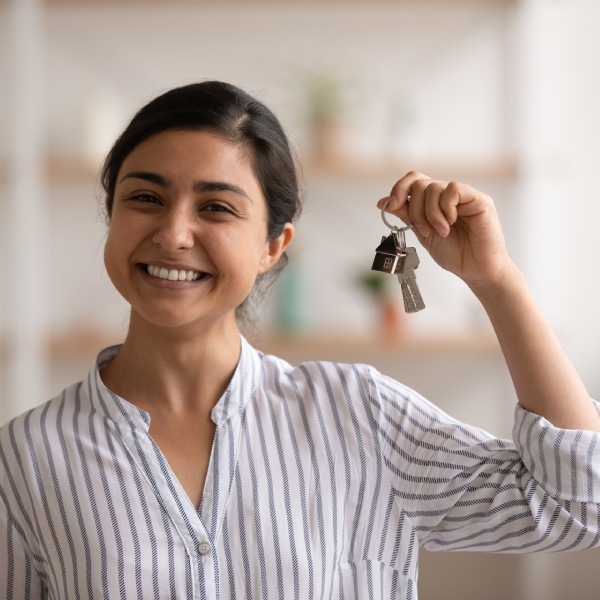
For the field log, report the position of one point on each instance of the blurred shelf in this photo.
(505, 168)
(351, 347)
(65, 172)
(80, 344)
(60, 172)
(120, 3)
(335, 345)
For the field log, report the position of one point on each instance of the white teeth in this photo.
(173, 274)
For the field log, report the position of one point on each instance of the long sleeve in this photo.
(561, 461)
(18, 577)
(464, 489)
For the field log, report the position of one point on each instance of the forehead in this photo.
(180, 153)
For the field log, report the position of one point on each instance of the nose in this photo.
(174, 231)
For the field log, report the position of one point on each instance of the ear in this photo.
(275, 248)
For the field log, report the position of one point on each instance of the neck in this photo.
(167, 371)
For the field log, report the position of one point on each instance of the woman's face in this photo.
(188, 230)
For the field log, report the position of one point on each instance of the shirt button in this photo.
(204, 548)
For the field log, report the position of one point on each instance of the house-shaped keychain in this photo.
(387, 254)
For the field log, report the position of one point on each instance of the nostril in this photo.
(173, 238)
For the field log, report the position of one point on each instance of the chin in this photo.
(174, 322)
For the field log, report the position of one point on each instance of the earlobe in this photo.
(275, 248)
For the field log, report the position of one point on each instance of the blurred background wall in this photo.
(502, 94)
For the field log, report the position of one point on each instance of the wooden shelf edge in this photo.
(502, 168)
(278, 3)
(61, 171)
(364, 347)
(334, 345)
(80, 344)
(65, 171)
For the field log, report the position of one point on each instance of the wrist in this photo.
(507, 285)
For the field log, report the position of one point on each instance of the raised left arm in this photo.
(459, 227)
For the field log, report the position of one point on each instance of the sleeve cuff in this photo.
(565, 462)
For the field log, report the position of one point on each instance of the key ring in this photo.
(395, 230)
(392, 227)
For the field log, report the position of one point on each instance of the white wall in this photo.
(470, 97)
(451, 65)
(580, 210)
(448, 69)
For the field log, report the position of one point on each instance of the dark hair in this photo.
(234, 115)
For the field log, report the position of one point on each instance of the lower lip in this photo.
(167, 284)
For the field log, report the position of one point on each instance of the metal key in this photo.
(408, 261)
(392, 256)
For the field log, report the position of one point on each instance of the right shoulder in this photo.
(24, 433)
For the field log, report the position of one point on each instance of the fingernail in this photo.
(424, 230)
(442, 230)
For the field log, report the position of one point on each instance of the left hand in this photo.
(457, 224)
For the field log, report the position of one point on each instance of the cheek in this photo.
(114, 251)
(109, 256)
(258, 256)
(122, 235)
(248, 245)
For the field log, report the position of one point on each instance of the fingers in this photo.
(428, 204)
(400, 195)
(441, 201)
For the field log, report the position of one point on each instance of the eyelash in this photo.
(147, 198)
(217, 207)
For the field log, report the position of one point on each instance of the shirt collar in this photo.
(242, 384)
(231, 403)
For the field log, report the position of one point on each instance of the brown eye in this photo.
(217, 207)
(145, 198)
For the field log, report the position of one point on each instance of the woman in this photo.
(189, 465)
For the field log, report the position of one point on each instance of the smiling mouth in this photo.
(174, 274)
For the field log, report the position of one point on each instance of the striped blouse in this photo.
(324, 481)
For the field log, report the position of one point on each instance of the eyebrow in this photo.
(199, 186)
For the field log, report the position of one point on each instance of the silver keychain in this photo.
(393, 257)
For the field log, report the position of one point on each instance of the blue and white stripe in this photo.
(324, 481)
